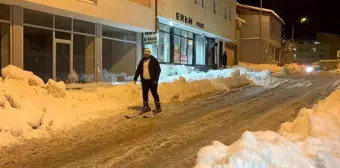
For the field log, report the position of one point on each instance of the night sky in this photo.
(323, 15)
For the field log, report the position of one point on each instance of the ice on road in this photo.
(172, 138)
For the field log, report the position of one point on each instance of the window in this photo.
(314, 49)
(200, 49)
(183, 47)
(4, 35)
(160, 48)
(4, 44)
(63, 23)
(83, 27)
(164, 47)
(118, 57)
(177, 44)
(202, 4)
(62, 35)
(211, 51)
(214, 6)
(117, 33)
(4, 12)
(38, 18)
(84, 57)
(38, 52)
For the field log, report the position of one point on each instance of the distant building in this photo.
(324, 47)
(250, 35)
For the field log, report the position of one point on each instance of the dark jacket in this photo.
(154, 69)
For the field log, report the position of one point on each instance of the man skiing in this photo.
(149, 70)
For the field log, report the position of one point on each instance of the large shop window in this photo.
(118, 57)
(211, 51)
(119, 52)
(38, 52)
(4, 35)
(183, 47)
(161, 47)
(200, 49)
(84, 57)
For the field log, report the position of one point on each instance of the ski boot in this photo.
(158, 108)
(146, 108)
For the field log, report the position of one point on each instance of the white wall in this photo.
(213, 23)
(118, 13)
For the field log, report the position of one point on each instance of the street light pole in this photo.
(302, 20)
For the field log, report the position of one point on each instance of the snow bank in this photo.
(311, 140)
(286, 69)
(29, 108)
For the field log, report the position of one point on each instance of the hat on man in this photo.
(147, 51)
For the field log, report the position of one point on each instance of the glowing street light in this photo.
(303, 20)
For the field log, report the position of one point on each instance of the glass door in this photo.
(62, 61)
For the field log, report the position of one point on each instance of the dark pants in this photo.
(149, 85)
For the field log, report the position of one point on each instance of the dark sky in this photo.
(323, 15)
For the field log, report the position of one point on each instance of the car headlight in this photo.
(309, 69)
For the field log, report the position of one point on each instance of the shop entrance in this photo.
(62, 59)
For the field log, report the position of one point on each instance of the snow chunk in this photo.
(57, 89)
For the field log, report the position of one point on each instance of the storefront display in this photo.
(187, 48)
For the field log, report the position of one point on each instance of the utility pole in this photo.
(261, 31)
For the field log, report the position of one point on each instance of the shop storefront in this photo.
(172, 45)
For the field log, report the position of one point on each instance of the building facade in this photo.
(324, 47)
(53, 39)
(253, 49)
(193, 32)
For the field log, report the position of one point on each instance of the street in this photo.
(172, 139)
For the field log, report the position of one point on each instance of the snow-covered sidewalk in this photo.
(312, 140)
(32, 109)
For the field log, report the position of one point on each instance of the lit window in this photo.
(314, 49)
(317, 42)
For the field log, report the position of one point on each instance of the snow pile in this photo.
(294, 68)
(260, 67)
(287, 69)
(177, 90)
(311, 140)
(108, 76)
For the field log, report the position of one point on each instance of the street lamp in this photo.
(302, 20)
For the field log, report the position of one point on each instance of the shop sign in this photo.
(200, 25)
(150, 38)
(183, 18)
(188, 20)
